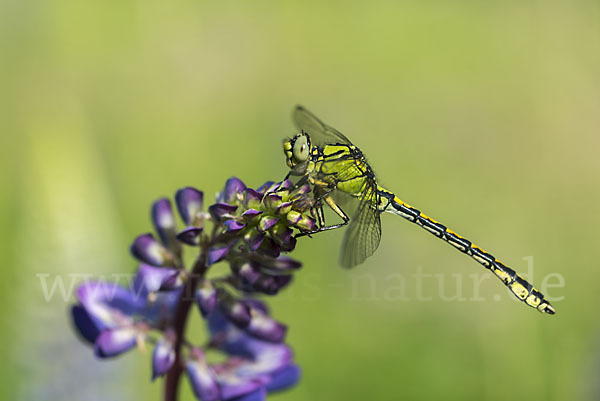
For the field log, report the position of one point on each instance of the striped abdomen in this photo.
(523, 290)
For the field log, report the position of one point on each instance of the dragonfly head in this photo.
(297, 150)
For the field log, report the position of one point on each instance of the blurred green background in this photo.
(485, 116)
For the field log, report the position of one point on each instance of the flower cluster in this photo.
(250, 229)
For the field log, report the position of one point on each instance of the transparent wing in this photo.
(364, 233)
(320, 133)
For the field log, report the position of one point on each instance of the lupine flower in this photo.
(247, 228)
(254, 367)
(263, 222)
(164, 354)
(115, 319)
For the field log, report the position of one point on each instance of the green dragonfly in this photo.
(338, 172)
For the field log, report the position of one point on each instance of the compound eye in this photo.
(301, 148)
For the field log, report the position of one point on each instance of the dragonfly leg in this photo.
(322, 188)
(338, 210)
(302, 181)
(321, 217)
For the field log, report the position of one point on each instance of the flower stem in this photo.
(184, 304)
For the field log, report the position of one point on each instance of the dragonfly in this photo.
(340, 175)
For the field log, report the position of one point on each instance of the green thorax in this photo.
(342, 166)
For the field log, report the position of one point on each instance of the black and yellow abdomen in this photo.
(522, 289)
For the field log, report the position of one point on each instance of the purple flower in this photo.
(115, 318)
(148, 250)
(262, 273)
(163, 356)
(152, 279)
(249, 221)
(251, 214)
(220, 211)
(234, 188)
(254, 238)
(252, 198)
(265, 187)
(236, 311)
(189, 203)
(267, 222)
(248, 272)
(264, 327)
(112, 342)
(253, 368)
(190, 235)
(234, 226)
(164, 223)
(247, 228)
(206, 297)
(202, 377)
(217, 253)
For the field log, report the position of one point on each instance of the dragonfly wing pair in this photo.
(364, 233)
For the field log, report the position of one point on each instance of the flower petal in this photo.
(108, 305)
(271, 285)
(84, 324)
(202, 378)
(284, 208)
(262, 357)
(293, 217)
(233, 226)
(237, 312)
(264, 187)
(254, 239)
(206, 298)
(152, 279)
(234, 188)
(163, 356)
(190, 235)
(283, 264)
(234, 387)
(248, 273)
(257, 304)
(282, 234)
(266, 222)
(301, 190)
(251, 214)
(269, 248)
(217, 254)
(164, 223)
(258, 395)
(289, 245)
(146, 249)
(306, 223)
(265, 327)
(284, 379)
(189, 203)
(218, 325)
(252, 198)
(272, 201)
(268, 357)
(286, 184)
(220, 210)
(161, 311)
(112, 342)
